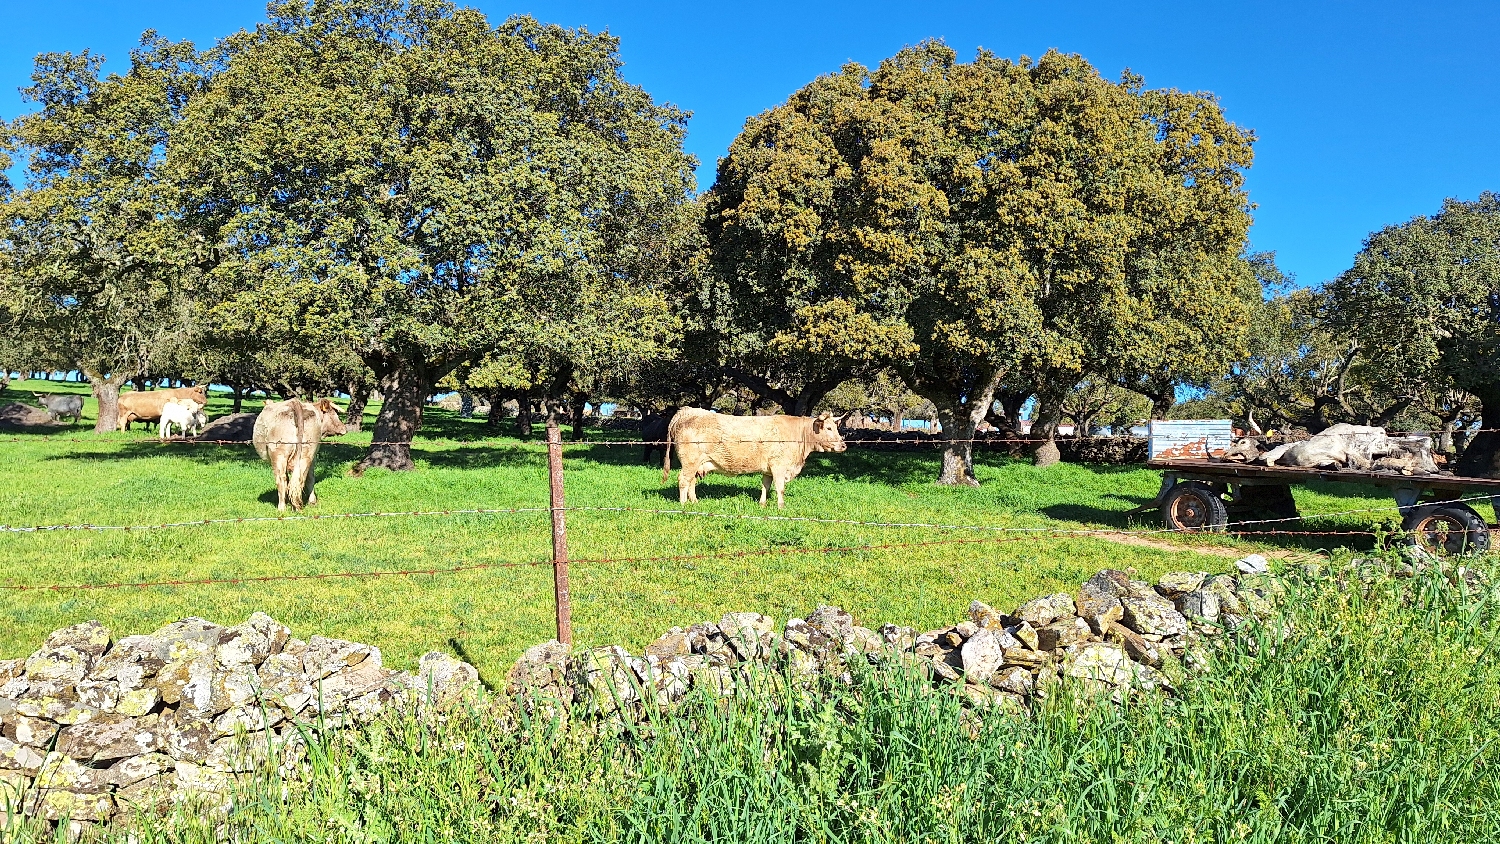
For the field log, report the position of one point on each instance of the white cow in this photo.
(185, 414)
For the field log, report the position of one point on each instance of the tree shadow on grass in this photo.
(480, 457)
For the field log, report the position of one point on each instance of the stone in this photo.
(98, 694)
(1027, 635)
(444, 677)
(35, 732)
(241, 754)
(10, 669)
(58, 664)
(1016, 681)
(186, 638)
(1063, 634)
(13, 786)
(1100, 662)
(900, 638)
(1177, 583)
(247, 719)
(1224, 587)
(1252, 564)
(1102, 591)
(184, 738)
(1153, 614)
(90, 638)
(197, 779)
(672, 643)
(59, 771)
(987, 617)
(138, 702)
(19, 757)
(131, 662)
(57, 804)
(607, 676)
(1045, 610)
(151, 795)
(110, 737)
(133, 769)
(1024, 657)
(543, 666)
(1199, 604)
(982, 655)
(336, 690)
(749, 633)
(324, 656)
(1136, 647)
(252, 642)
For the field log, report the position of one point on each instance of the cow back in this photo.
(740, 445)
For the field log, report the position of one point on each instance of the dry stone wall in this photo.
(1116, 635)
(91, 727)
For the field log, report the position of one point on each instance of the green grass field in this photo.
(488, 616)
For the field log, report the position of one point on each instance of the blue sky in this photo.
(1368, 113)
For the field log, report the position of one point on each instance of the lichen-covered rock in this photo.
(10, 669)
(985, 616)
(672, 643)
(444, 677)
(898, 637)
(1099, 599)
(102, 695)
(62, 663)
(132, 662)
(110, 737)
(57, 804)
(1199, 604)
(324, 656)
(1063, 634)
(1177, 583)
(983, 654)
(185, 738)
(1226, 590)
(19, 757)
(1152, 614)
(1017, 681)
(1138, 648)
(542, 667)
(750, 633)
(129, 771)
(1099, 662)
(251, 642)
(1040, 612)
(23, 729)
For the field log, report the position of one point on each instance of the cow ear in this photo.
(817, 425)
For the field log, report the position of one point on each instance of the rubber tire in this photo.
(1200, 495)
(1474, 534)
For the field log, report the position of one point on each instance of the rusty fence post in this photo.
(564, 601)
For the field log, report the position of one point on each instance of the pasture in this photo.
(487, 616)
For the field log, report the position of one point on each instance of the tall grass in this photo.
(1376, 720)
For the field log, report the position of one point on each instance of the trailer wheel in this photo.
(1194, 505)
(1446, 529)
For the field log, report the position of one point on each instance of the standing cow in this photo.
(146, 405)
(775, 446)
(186, 414)
(60, 407)
(287, 433)
(654, 433)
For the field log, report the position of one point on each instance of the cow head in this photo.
(200, 394)
(826, 436)
(328, 419)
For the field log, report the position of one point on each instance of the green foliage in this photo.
(968, 222)
(403, 180)
(96, 266)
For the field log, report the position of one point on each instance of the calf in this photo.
(186, 414)
(775, 446)
(146, 405)
(654, 433)
(59, 407)
(287, 434)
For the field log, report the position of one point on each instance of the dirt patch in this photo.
(1211, 550)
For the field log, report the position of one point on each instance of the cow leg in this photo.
(279, 470)
(780, 481)
(687, 479)
(765, 486)
(308, 495)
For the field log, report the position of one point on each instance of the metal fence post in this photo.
(564, 601)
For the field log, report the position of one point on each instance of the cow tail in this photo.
(666, 457)
(296, 479)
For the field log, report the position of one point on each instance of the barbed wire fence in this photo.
(558, 510)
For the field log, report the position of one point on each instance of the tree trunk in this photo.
(523, 416)
(959, 419)
(404, 388)
(1481, 456)
(1162, 404)
(580, 402)
(359, 397)
(1049, 413)
(107, 391)
(239, 398)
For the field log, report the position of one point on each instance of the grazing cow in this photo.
(186, 414)
(774, 446)
(59, 407)
(287, 433)
(654, 432)
(146, 405)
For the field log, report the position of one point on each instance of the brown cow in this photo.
(774, 446)
(145, 405)
(287, 434)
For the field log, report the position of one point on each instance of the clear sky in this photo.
(1368, 113)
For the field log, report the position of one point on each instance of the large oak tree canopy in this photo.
(965, 222)
(400, 178)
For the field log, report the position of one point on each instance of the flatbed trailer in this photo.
(1199, 494)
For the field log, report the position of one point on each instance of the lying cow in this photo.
(775, 446)
(287, 433)
(59, 407)
(186, 414)
(1361, 447)
(146, 405)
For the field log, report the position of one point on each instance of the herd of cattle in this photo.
(287, 435)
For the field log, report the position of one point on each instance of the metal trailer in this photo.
(1198, 494)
